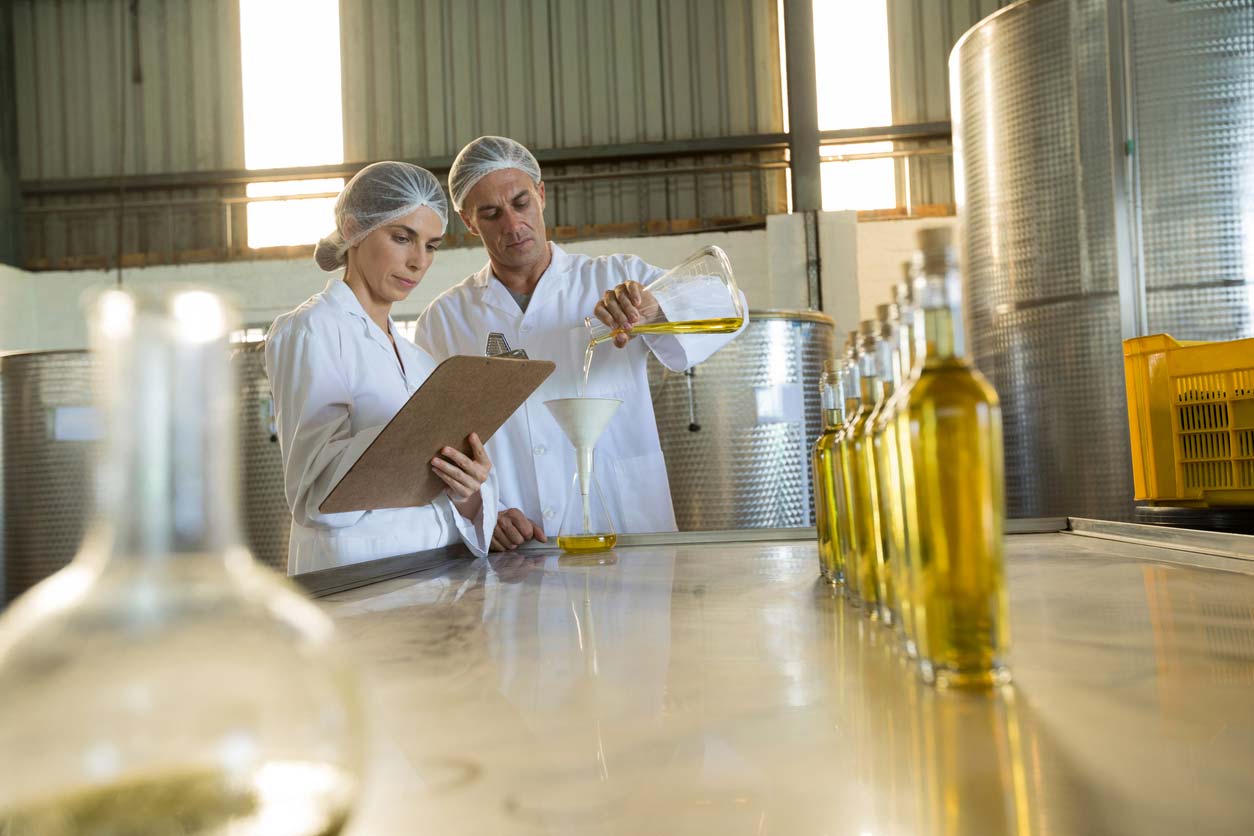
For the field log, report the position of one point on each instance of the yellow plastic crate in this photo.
(1191, 419)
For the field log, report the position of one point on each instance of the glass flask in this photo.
(697, 297)
(587, 526)
(164, 682)
(954, 424)
(867, 518)
(884, 457)
(853, 406)
(828, 499)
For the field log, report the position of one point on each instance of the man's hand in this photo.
(513, 529)
(463, 477)
(625, 306)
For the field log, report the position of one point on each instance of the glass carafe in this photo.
(698, 296)
(164, 682)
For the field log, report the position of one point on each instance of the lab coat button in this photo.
(549, 513)
(540, 449)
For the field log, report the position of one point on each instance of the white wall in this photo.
(860, 262)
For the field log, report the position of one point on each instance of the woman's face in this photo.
(389, 262)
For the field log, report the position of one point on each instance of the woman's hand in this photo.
(463, 477)
(627, 305)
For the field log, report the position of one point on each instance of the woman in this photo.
(340, 370)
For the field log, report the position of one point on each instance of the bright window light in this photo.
(851, 60)
(290, 53)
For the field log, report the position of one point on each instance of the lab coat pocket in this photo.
(644, 496)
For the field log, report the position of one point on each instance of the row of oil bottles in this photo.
(908, 479)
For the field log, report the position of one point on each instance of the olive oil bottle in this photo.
(867, 516)
(884, 454)
(828, 487)
(853, 407)
(954, 422)
(905, 519)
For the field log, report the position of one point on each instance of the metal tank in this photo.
(1104, 192)
(737, 430)
(49, 439)
(264, 514)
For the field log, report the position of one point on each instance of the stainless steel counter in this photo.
(717, 688)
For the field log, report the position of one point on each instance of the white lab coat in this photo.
(534, 461)
(336, 383)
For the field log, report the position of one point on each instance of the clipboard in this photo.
(463, 395)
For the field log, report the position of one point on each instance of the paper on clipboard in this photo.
(463, 395)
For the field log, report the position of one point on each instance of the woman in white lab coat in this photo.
(340, 370)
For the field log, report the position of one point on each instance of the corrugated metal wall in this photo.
(921, 34)
(422, 80)
(178, 62)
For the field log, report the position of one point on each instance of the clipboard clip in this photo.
(498, 346)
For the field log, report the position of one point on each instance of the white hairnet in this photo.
(484, 156)
(378, 195)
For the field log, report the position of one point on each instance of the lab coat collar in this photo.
(341, 296)
(494, 293)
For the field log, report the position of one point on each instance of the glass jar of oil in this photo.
(903, 519)
(826, 469)
(884, 456)
(851, 378)
(954, 423)
(867, 518)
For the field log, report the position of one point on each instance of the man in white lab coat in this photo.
(538, 295)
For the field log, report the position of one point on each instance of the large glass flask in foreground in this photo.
(164, 682)
(586, 523)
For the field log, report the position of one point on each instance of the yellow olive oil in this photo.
(905, 518)
(848, 469)
(884, 456)
(288, 799)
(864, 487)
(587, 543)
(826, 481)
(954, 422)
(716, 325)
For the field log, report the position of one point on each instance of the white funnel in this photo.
(583, 419)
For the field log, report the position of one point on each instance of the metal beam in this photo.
(803, 105)
(10, 192)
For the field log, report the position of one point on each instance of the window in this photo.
(290, 53)
(851, 61)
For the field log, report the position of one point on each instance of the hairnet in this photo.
(484, 156)
(378, 195)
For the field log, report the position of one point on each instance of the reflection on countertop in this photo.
(720, 689)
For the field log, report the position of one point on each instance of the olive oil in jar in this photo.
(849, 525)
(884, 455)
(828, 487)
(905, 518)
(864, 488)
(954, 423)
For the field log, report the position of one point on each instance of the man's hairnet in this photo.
(376, 196)
(484, 156)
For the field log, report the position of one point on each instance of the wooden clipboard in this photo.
(463, 395)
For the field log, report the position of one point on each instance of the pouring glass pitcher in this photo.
(697, 297)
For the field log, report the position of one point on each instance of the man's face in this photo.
(506, 210)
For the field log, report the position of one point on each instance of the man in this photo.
(538, 295)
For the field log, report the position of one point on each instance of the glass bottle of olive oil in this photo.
(884, 454)
(903, 503)
(954, 422)
(828, 489)
(867, 516)
(853, 403)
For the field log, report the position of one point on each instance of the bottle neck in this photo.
(167, 481)
(869, 380)
(832, 419)
(943, 337)
(853, 391)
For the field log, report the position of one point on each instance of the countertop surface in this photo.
(721, 689)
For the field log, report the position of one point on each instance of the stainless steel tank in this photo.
(1069, 246)
(737, 431)
(264, 514)
(50, 435)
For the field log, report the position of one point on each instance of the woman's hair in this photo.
(376, 196)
